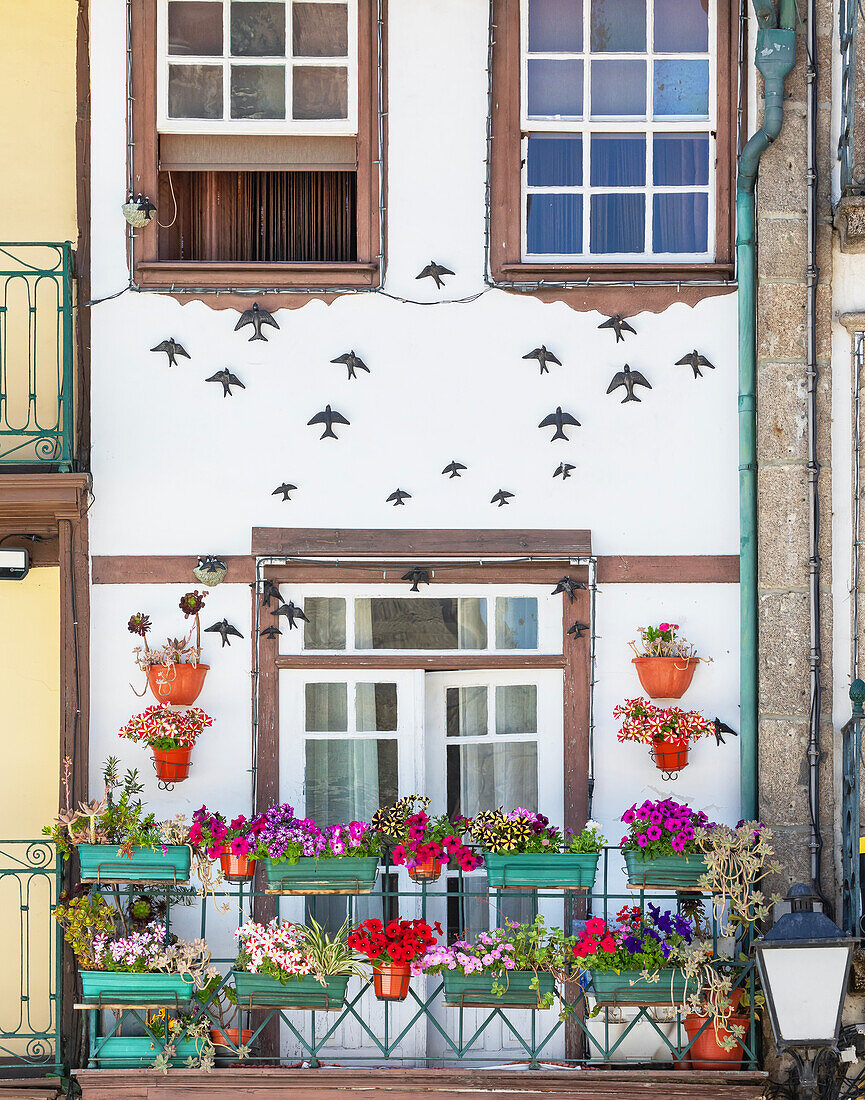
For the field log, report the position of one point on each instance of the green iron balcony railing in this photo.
(851, 141)
(851, 763)
(36, 356)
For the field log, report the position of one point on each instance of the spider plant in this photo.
(330, 956)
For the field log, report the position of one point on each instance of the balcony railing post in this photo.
(850, 818)
(67, 384)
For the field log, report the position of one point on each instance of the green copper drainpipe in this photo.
(776, 49)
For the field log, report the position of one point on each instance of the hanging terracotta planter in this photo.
(179, 685)
(670, 759)
(391, 981)
(172, 765)
(231, 1037)
(665, 677)
(237, 868)
(428, 871)
(706, 1052)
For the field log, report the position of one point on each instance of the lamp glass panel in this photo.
(807, 986)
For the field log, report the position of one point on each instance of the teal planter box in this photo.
(542, 870)
(304, 992)
(676, 872)
(139, 1051)
(346, 875)
(628, 987)
(101, 863)
(118, 987)
(476, 990)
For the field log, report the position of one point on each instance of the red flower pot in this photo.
(237, 868)
(665, 677)
(391, 981)
(172, 765)
(707, 1052)
(231, 1037)
(428, 871)
(178, 685)
(669, 759)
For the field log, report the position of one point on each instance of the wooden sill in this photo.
(625, 273)
(181, 274)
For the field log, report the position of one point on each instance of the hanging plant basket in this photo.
(705, 1051)
(476, 990)
(237, 868)
(121, 987)
(101, 863)
(140, 1051)
(428, 871)
(553, 870)
(677, 872)
(304, 992)
(629, 987)
(179, 685)
(665, 677)
(670, 759)
(172, 765)
(311, 875)
(391, 981)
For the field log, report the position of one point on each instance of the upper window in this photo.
(618, 121)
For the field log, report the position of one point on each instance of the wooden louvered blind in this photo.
(259, 216)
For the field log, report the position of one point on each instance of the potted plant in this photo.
(229, 1040)
(515, 965)
(230, 843)
(663, 845)
(521, 849)
(424, 845)
(715, 1036)
(282, 965)
(170, 735)
(116, 840)
(633, 961)
(174, 672)
(301, 858)
(170, 1040)
(665, 663)
(668, 731)
(392, 948)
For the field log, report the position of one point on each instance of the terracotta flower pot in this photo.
(177, 685)
(669, 759)
(428, 871)
(707, 1052)
(391, 981)
(172, 765)
(665, 677)
(237, 868)
(231, 1037)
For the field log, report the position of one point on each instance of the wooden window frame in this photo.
(196, 277)
(506, 262)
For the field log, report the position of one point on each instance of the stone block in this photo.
(781, 321)
(783, 522)
(784, 625)
(782, 412)
(782, 246)
(783, 771)
(782, 183)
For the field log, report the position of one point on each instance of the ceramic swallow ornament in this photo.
(619, 325)
(292, 612)
(328, 417)
(210, 570)
(270, 591)
(543, 357)
(256, 317)
(502, 497)
(270, 632)
(353, 362)
(225, 630)
(172, 349)
(577, 630)
(569, 587)
(721, 728)
(284, 489)
(563, 470)
(435, 271)
(628, 378)
(695, 360)
(559, 420)
(398, 496)
(416, 576)
(228, 380)
(453, 469)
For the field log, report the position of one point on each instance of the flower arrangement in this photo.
(524, 831)
(662, 641)
(285, 951)
(420, 839)
(175, 651)
(398, 941)
(210, 831)
(651, 725)
(159, 727)
(281, 836)
(640, 940)
(662, 828)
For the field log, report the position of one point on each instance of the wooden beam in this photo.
(346, 542)
(29, 501)
(669, 569)
(459, 660)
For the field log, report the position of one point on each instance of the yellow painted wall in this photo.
(37, 132)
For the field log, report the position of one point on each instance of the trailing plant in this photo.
(175, 651)
(151, 950)
(287, 838)
(173, 1029)
(398, 941)
(648, 724)
(418, 838)
(663, 641)
(210, 831)
(524, 831)
(83, 917)
(738, 860)
(220, 1001)
(159, 727)
(643, 940)
(664, 828)
(285, 951)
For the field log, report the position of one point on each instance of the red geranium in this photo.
(398, 941)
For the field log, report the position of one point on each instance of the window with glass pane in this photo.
(618, 113)
(385, 622)
(258, 66)
(326, 626)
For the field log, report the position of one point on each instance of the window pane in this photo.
(618, 26)
(326, 708)
(554, 224)
(681, 26)
(466, 712)
(347, 780)
(257, 91)
(194, 91)
(326, 626)
(484, 776)
(320, 30)
(555, 89)
(516, 622)
(618, 223)
(555, 161)
(555, 26)
(517, 708)
(320, 92)
(679, 160)
(618, 88)
(195, 27)
(375, 708)
(469, 915)
(388, 622)
(618, 160)
(681, 223)
(258, 28)
(682, 88)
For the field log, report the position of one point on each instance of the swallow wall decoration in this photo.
(435, 271)
(328, 417)
(210, 570)
(398, 496)
(628, 378)
(695, 360)
(228, 380)
(172, 349)
(577, 630)
(502, 497)
(292, 612)
(416, 576)
(563, 470)
(543, 357)
(568, 586)
(721, 728)
(225, 630)
(453, 469)
(270, 591)
(619, 325)
(560, 420)
(256, 317)
(270, 632)
(353, 362)
(284, 489)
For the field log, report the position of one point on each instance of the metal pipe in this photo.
(775, 57)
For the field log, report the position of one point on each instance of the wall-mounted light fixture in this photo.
(14, 565)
